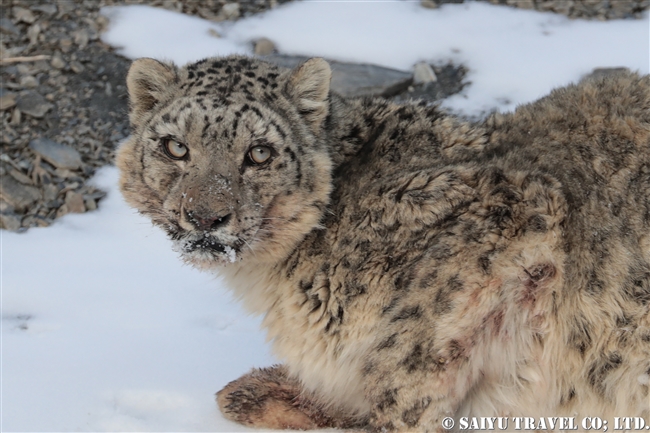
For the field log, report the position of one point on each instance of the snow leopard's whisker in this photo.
(248, 245)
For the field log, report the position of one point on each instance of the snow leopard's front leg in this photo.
(426, 361)
(415, 390)
(269, 398)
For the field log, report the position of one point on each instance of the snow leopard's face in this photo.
(225, 155)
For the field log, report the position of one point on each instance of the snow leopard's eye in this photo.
(259, 154)
(173, 149)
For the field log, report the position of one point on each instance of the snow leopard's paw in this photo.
(269, 398)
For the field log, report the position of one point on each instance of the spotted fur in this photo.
(409, 265)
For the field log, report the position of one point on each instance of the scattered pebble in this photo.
(28, 82)
(74, 202)
(264, 47)
(230, 11)
(18, 195)
(429, 4)
(76, 67)
(90, 204)
(33, 32)
(20, 177)
(81, 38)
(423, 74)
(7, 101)
(214, 33)
(16, 116)
(23, 15)
(8, 27)
(9, 221)
(32, 103)
(352, 79)
(59, 155)
(57, 62)
(585, 9)
(601, 72)
(47, 9)
(65, 44)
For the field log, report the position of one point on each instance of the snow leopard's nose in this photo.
(207, 222)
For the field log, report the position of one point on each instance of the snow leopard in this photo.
(410, 266)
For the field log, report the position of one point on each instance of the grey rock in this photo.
(24, 164)
(24, 15)
(65, 7)
(39, 221)
(7, 27)
(14, 51)
(10, 221)
(429, 4)
(63, 210)
(525, 4)
(563, 6)
(20, 177)
(450, 80)
(32, 33)
(230, 11)
(24, 68)
(264, 47)
(75, 202)
(209, 15)
(65, 44)
(28, 221)
(603, 72)
(57, 62)
(81, 38)
(59, 155)
(16, 194)
(50, 192)
(32, 103)
(95, 195)
(76, 67)
(54, 204)
(7, 101)
(354, 79)
(16, 117)
(423, 74)
(6, 207)
(65, 174)
(46, 9)
(90, 204)
(28, 82)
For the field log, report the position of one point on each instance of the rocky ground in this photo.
(585, 9)
(63, 101)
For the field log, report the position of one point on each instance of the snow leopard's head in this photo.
(227, 155)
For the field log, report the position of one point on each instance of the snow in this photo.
(514, 56)
(103, 328)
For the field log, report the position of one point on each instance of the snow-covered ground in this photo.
(514, 56)
(103, 329)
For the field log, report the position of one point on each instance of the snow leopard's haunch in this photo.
(409, 266)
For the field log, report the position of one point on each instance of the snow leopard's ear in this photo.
(309, 87)
(148, 81)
